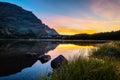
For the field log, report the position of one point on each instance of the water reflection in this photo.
(16, 56)
(71, 51)
(19, 60)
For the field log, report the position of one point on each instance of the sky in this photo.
(69, 17)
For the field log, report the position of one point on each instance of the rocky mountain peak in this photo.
(17, 21)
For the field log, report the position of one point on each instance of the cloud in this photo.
(62, 23)
(108, 9)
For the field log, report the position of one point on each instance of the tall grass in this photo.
(82, 69)
(110, 50)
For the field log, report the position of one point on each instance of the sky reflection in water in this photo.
(69, 51)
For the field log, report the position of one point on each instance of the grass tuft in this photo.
(111, 50)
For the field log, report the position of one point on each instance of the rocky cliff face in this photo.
(17, 22)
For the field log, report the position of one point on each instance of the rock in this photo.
(31, 54)
(57, 62)
(44, 58)
(18, 23)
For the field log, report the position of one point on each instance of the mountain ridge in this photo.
(15, 22)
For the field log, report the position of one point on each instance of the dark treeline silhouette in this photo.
(114, 35)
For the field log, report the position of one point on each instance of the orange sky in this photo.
(97, 16)
(68, 31)
(69, 26)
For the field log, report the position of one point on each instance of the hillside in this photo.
(15, 22)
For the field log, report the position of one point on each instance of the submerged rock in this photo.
(44, 58)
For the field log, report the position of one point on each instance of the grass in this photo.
(82, 69)
(104, 64)
(110, 50)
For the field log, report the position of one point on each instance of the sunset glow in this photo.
(67, 31)
(69, 17)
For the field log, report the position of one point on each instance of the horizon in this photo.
(75, 16)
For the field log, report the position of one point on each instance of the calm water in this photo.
(19, 60)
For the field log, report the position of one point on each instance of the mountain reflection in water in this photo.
(19, 60)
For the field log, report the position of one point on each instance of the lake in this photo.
(19, 59)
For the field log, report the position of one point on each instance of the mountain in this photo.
(15, 22)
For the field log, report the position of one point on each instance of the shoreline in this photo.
(57, 40)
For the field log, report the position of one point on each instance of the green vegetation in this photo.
(108, 50)
(92, 69)
(102, 65)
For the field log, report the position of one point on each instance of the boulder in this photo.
(57, 62)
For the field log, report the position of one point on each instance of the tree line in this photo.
(114, 35)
